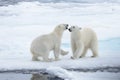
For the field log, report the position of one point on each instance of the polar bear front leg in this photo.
(57, 52)
(79, 50)
(74, 48)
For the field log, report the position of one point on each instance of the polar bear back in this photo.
(88, 36)
(39, 44)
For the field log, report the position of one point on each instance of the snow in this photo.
(21, 23)
(60, 72)
(86, 63)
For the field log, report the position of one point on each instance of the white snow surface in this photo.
(60, 72)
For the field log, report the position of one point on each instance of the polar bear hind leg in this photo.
(74, 48)
(95, 52)
(94, 49)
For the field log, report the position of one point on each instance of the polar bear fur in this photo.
(82, 40)
(43, 44)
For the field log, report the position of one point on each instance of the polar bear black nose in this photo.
(70, 30)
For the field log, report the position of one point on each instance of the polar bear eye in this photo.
(73, 26)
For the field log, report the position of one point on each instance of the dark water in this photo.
(12, 2)
(21, 76)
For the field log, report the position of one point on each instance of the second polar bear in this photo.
(82, 40)
(42, 45)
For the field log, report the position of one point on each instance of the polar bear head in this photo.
(61, 27)
(73, 28)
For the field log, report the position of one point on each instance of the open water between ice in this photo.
(106, 73)
(21, 76)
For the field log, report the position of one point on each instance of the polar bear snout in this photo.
(66, 26)
(73, 28)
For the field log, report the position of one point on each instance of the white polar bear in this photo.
(82, 40)
(42, 45)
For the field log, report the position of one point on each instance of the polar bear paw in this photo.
(35, 59)
(72, 57)
(57, 59)
(93, 56)
(48, 60)
(81, 56)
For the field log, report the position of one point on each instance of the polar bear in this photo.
(82, 40)
(43, 44)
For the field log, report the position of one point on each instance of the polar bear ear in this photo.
(73, 26)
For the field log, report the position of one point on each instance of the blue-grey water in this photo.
(21, 76)
(112, 44)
